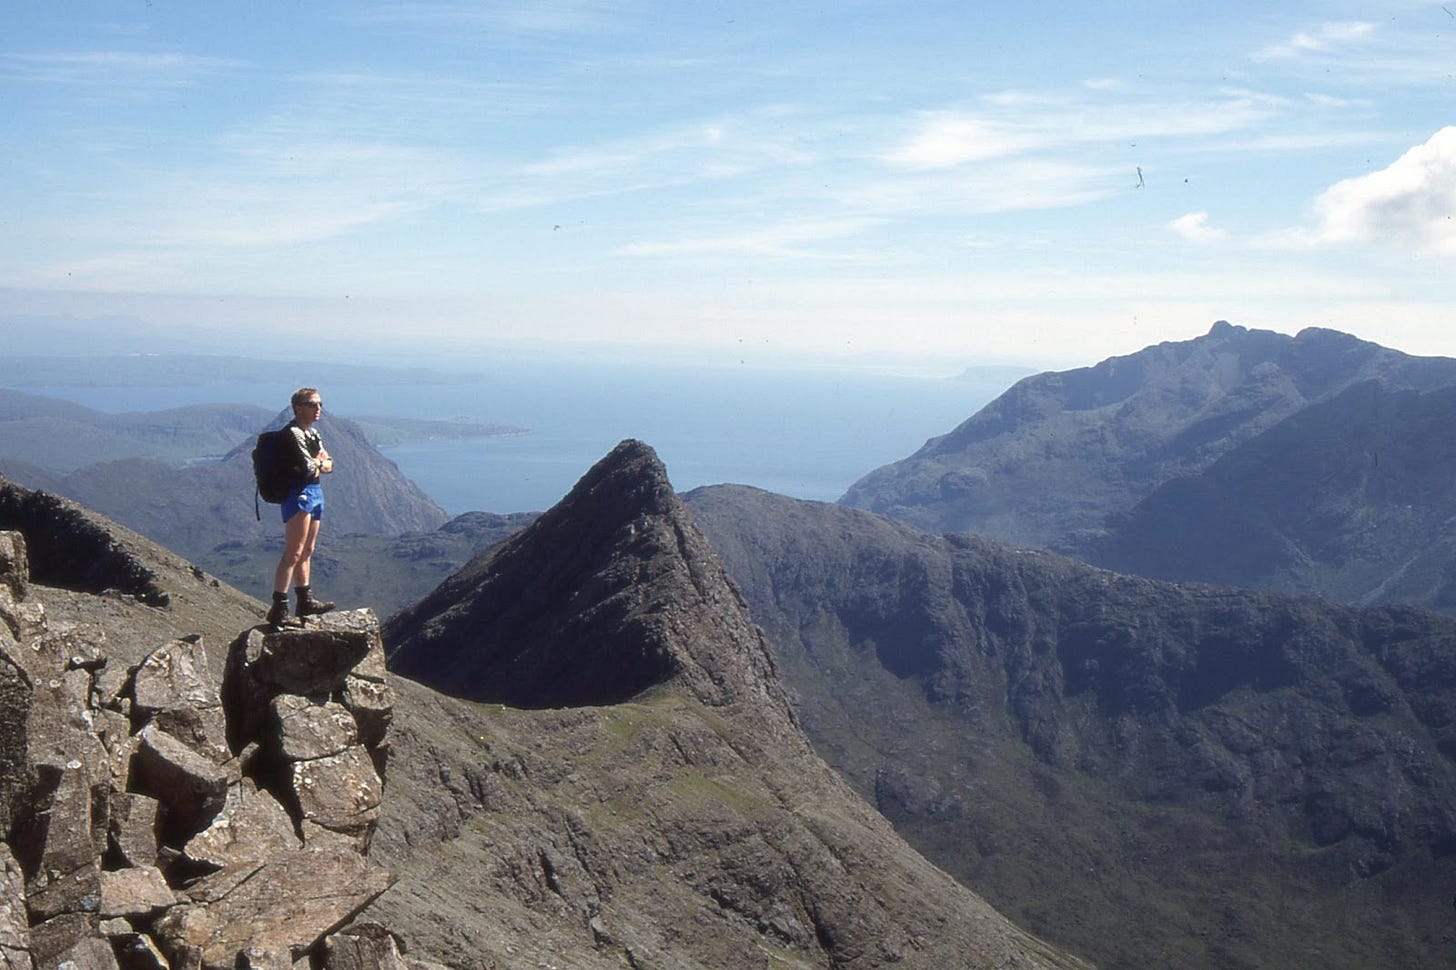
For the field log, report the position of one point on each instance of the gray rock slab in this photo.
(173, 689)
(362, 946)
(60, 727)
(71, 646)
(307, 729)
(14, 922)
(25, 618)
(314, 659)
(133, 829)
(285, 905)
(56, 839)
(88, 953)
(372, 704)
(16, 696)
(139, 891)
(55, 940)
(14, 564)
(192, 788)
(251, 827)
(174, 675)
(341, 792)
(114, 731)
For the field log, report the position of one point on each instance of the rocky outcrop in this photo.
(152, 821)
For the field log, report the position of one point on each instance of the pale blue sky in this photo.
(949, 183)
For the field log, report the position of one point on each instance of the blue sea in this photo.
(802, 433)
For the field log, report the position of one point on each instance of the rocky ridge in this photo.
(152, 821)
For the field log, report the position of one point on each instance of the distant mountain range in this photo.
(1313, 464)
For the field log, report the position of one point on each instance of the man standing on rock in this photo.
(302, 449)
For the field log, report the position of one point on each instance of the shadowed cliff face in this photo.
(1157, 746)
(610, 593)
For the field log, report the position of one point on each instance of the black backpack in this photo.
(273, 474)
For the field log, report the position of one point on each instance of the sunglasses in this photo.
(312, 404)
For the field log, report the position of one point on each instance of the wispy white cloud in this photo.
(945, 140)
(521, 18)
(1416, 51)
(1194, 227)
(111, 71)
(1324, 39)
(1410, 203)
(1019, 123)
(790, 239)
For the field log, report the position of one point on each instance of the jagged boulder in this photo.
(325, 656)
(138, 891)
(133, 833)
(253, 825)
(173, 690)
(14, 565)
(363, 946)
(283, 906)
(60, 854)
(193, 788)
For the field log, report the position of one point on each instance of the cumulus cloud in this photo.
(1410, 203)
(1194, 227)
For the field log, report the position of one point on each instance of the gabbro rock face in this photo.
(152, 823)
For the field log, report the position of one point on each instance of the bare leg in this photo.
(299, 534)
(304, 569)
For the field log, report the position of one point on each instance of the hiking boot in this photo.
(308, 606)
(277, 613)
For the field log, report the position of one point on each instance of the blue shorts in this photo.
(308, 499)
